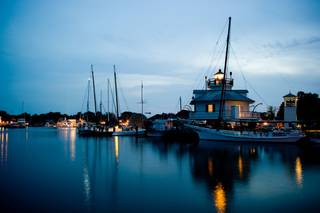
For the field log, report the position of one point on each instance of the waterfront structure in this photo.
(290, 110)
(233, 106)
(207, 101)
(218, 101)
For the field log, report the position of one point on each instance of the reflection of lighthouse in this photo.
(220, 198)
(290, 110)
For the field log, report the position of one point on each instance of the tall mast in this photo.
(94, 92)
(222, 101)
(116, 90)
(180, 103)
(142, 102)
(100, 102)
(108, 100)
(88, 96)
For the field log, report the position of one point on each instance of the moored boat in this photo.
(129, 132)
(210, 134)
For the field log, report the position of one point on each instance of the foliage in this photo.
(308, 109)
(280, 113)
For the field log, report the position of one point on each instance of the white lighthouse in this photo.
(290, 109)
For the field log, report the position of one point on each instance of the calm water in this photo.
(44, 169)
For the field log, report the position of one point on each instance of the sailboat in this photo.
(220, 90)
(123, 128)
(87, 128)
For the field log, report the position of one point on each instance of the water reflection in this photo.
(240, 166)
(223, 166)
(217, 169)
(210, 167)
(69, 136)
(26, 134)
(100, 172)
(72, 147)
(298, 170)
(220, 200)
(86, 177)
(4, 146)
(116, 147)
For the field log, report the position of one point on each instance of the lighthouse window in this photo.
(210, 108)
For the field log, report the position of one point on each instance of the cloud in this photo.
(293, 43)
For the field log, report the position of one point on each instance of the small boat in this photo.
(160, 126)
(87, 129)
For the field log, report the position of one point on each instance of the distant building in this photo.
(206, 102)
(290, 109)
(66, 123)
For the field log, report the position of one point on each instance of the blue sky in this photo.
(46, 48)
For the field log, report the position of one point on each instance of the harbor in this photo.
(159, 106)
(122, 174)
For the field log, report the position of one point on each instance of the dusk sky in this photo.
(46, 48)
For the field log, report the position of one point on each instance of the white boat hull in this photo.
(129, 132)
(245, 136)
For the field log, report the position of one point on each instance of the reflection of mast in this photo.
(86, 177)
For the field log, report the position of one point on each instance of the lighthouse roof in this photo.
(230, 95)
(219, 72)
(289, 95)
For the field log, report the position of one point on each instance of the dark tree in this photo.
(184, 114)
(308, 107)
(280, 113)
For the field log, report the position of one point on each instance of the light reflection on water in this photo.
(73, 133)
(240, 166)
(69, 136)
(298, 170)
(116, 147)
(86, 177)
(4, 146)
(155, 176)
(220, 200)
